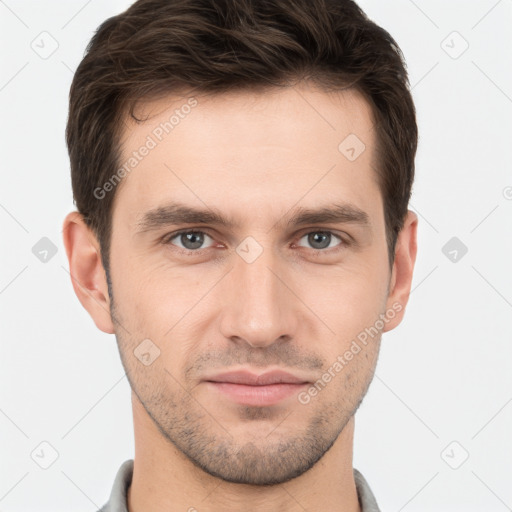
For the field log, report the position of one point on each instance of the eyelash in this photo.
(167, 240)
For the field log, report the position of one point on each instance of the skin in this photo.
(255, 157)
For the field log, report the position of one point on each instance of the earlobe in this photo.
(403, 267)
(86, 269)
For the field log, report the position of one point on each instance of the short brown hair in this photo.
(213, 46)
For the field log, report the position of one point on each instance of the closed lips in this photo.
(250, 379)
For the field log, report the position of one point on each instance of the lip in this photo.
(246, 388)
(252, 379)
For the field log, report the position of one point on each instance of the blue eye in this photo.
(321, 239)
(190, 240)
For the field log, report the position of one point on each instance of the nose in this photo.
(258, 306)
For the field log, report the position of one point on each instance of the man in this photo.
(241, 172)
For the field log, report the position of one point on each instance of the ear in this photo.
(403, 266)
(87, 273)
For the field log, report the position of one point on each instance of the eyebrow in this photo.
(177, 213)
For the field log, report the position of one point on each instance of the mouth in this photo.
(246, 388)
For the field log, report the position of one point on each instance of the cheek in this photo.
(147, 285)
(160, 303)
(346, 300)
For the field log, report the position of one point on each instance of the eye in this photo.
(188, 239)
(321, 240)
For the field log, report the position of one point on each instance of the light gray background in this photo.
(443, 375)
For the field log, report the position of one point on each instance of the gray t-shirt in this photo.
(117, 501)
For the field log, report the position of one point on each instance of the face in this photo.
(250, 238)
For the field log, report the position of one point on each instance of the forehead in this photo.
(265, 149)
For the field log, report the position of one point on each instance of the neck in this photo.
(165, 480)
